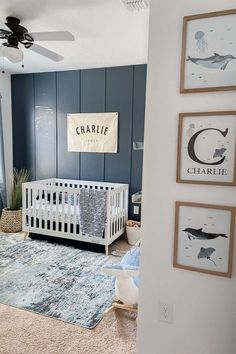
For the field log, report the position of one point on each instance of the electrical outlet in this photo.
(166, 312)
(136, 210)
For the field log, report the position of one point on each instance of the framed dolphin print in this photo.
(209, 52)
(207, 148)
(204, 236)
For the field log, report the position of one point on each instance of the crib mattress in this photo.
(49, 212)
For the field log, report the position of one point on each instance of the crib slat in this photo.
(34, 211)
(117, 213)
(51, 216)
(110, 219)
(121, 209)
(113, 209)
(74, 212)
(118, 209)
(40, 209)
(45, 209)
(29, 206)
(118, 199)
(62, 211)
(57, 211)
(68, 213)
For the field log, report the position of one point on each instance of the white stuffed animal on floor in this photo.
(126, 277)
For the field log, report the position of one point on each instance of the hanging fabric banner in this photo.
(92, 132)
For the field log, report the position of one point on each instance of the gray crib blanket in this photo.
(92, 208)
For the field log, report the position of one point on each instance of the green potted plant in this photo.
(11, 219)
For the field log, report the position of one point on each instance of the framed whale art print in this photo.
(206, 148)
(209, 52)
(204, 236)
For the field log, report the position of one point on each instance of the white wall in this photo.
(5, 90)
(204, 305)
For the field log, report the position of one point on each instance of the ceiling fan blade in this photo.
(53, 36)
(14, 55)
(4, 27)
(4, 30)
(46, 52)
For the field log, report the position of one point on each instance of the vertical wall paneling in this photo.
(92, 100)
(45, 125)
(68, 101)
(119, 87)
(40, 106)
(23, 122)
(138, 128)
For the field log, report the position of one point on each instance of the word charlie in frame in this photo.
(207, 171)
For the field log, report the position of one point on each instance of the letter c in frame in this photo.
(191, 145)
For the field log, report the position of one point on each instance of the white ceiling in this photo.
(106, 33)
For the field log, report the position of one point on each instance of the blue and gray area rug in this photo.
(53, 279)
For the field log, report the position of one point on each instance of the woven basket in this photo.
(11, 220)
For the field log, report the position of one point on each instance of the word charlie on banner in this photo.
(92, 132)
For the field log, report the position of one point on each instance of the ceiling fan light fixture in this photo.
(136, 5)
(13, 55)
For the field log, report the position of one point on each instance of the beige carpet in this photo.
(23, 332)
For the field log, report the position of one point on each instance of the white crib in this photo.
(47, 210)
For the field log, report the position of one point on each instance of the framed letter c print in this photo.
(206, 148)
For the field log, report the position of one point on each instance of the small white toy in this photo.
(126, 277)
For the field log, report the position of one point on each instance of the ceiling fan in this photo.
(17, 35)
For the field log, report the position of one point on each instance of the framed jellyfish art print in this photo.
(206, 152)
(209, 52)
(204, 237)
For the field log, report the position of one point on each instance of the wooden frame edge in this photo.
(210, 14)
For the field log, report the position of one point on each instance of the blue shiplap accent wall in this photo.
(40, 104)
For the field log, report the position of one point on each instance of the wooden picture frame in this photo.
(206, 61)
(215, 141)
(194, 249)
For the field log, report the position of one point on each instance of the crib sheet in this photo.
(47, 212)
